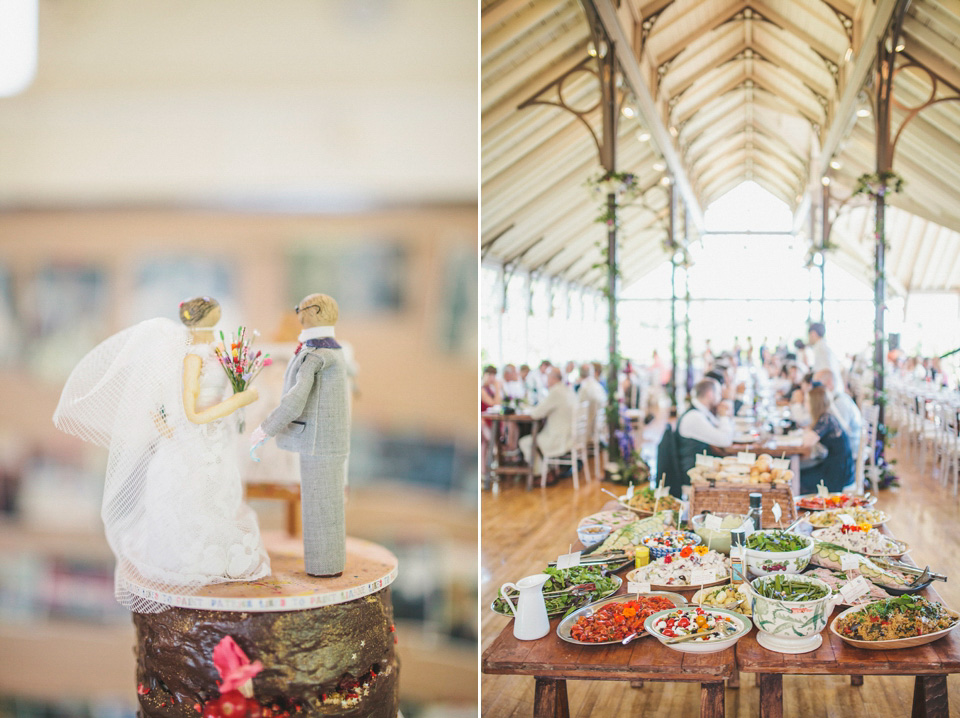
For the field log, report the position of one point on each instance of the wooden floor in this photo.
(523, 530)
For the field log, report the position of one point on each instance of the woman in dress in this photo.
(173, 510)
(835, 467)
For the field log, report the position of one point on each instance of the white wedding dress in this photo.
(173, 505)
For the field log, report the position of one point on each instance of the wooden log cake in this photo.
(306, 646)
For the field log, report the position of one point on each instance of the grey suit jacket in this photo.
(313, 417)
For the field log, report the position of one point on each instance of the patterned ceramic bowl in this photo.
(763, 563)
(791, 626)
(663, 543)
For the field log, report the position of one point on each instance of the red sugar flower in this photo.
(234, 667)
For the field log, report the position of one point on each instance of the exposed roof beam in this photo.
(862, 66)
(648, 108)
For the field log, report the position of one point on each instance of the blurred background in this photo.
(255, 152)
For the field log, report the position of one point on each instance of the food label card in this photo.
(845, 518)
(661, 492)
(636, 587)
(712, 522)
(746, 457)
(704, 460)
(630, 492)
(852, 590)
(822, 490)
(700, 576)
(781, 464)
(777, 511)
(849, 561)
(568, 560)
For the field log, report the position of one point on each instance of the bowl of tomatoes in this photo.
(695, 629)
(614, 619)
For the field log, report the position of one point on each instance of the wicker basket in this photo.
(725, 497)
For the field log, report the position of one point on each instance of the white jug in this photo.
(530, 614)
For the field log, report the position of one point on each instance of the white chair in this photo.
(578, 451)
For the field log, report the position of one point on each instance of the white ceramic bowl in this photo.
(592, 534)
(763, 563)
(701, 646)
(791, 626)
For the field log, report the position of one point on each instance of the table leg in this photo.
(550, 699)
(711, 700)
(856, 680)
(533, 453)
(495, 456)
(930, 697)
(771, 695)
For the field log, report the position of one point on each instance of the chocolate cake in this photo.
(335, 660)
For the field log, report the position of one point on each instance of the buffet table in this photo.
(552, 662)
(494, 468)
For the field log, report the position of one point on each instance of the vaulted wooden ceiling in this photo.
(748, 89)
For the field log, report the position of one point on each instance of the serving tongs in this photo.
(578, 590)
(608, 557)
(923, 574)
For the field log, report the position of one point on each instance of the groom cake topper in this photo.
(313, 420)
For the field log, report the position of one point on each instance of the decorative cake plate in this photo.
(369, 569)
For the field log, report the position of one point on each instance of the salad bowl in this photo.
(786, 626)
(740, 623)
(762, 563)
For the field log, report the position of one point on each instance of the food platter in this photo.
(563, 630)
(895, 549)
(684, 587)
(826, 519)
(895, 643)
(809, 502)
(614, 519)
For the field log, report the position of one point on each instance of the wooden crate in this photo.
(725, 497)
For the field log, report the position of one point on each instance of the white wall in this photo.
(300, 102)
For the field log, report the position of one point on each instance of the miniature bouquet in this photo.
(238, 361)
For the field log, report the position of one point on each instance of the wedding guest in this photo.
(707, 423)
(529, 380)
(844, 408)
(599, 375)
(823, 356)
(513, 386)
(557, 409)
(591, 392)
(570, 374)
(833, 463)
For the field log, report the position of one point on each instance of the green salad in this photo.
(561, 579)
(787, 588)
(776, 541)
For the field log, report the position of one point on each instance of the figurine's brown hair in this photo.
(192, 311)
(322, 308)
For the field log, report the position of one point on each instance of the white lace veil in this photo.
(126, 395)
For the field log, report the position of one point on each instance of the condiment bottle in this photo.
(738, 538)
(642, 557)
(756, 510)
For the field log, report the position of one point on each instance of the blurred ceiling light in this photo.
(643, 136)
(848, 54)
(863, 112)
(592, 49)
(665, 180)
(659, 166)
(674, 131)
(835, 165)
(18, 45)
(825, 181)
(900, 47)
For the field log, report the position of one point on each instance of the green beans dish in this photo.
(784, 587)
(776, 541)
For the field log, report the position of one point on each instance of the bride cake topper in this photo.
(156, 396)
(313, 419)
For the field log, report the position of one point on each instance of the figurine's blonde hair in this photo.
(192, 311)
(326, 309)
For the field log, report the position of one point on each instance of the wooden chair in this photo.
(577, 453)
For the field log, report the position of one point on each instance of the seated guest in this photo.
(844, 408)
(491, 394)
(599, 375)
(591, 392)
(513, 387)
(833, 465)
(706, 423)
(556, 436)
(798, 401)
(529, 380)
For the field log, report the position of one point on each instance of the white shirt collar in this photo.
(315, 333)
